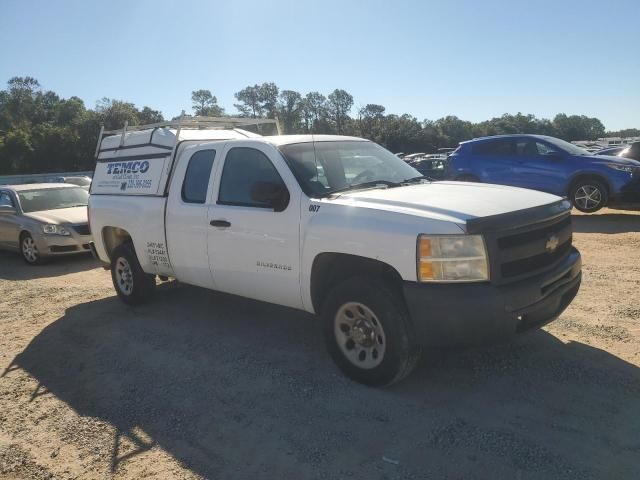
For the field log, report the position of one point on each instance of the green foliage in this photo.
(205, 104)
(41, 132)
(258, 101)
(339, 103)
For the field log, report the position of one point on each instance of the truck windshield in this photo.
(322, 168)
(52, 199)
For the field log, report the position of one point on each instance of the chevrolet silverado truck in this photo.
(391, 262)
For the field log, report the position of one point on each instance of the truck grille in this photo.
(530, 249)
(82, 229)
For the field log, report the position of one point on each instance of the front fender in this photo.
(388, 237)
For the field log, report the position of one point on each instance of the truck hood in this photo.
(450, 201)
(60, 216)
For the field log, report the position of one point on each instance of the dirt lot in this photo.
(200, 384)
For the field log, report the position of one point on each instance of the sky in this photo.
(475, 59)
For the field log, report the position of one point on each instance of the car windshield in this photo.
(52, 199)
(323, 168)
(568, 147)
(81, 181)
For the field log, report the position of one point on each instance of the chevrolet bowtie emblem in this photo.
(552, 244)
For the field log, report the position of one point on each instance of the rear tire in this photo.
(132, 284)
(588, 195)
(367, 332)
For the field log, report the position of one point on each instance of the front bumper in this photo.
(452, 314)
(628, 196)
(49, 245)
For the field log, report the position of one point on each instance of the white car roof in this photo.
(278, 140)
(37, 186)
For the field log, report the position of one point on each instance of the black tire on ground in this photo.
(386, 310)
(588, 195)
(468, 178)
(28, 250)
(132, 284)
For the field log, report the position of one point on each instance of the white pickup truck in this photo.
(391, 262)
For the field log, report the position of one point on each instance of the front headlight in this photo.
(55, 230)
(623, 168)
(452, 258)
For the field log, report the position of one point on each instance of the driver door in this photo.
(9, 227)
(254, 250)
(536, 168)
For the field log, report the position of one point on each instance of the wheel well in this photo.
(22, 234)
(331, 268)
(589, 176)
(114, 237)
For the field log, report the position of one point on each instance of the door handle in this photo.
(220, 223)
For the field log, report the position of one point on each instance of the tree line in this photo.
(43, 132)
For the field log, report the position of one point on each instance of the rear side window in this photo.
(196, 180)
(5, 199)
(500, 148)
(243, 168)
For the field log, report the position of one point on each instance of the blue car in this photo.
(550, 165)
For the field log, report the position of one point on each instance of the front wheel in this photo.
(588, 195)
(132, 284)
(367, 332)
(29, 250)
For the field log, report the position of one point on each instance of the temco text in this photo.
(127, 167)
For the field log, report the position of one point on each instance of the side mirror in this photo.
(553, 155)
(273, 194)
(7, 210)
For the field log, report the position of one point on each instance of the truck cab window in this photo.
(243, 169)
(196, 180)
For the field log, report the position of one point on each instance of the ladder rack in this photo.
(186, 123)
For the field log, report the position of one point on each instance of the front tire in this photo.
(29, 251)
(588, 195)
(132, 284)
(367, 332)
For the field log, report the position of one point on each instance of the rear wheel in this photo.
(367, 332)
(29, 250)
(588, 195)
(132, 284)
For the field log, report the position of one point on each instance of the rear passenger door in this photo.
(494, 161)
(187, 224)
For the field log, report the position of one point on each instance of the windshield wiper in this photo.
(371, 184)
(416, 179)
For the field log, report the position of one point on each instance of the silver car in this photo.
(44, 219)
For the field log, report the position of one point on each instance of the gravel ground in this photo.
(200, 384)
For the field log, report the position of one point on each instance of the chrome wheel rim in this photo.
(360, 335)
(29, 250)
(588, 197)
(124, 276)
